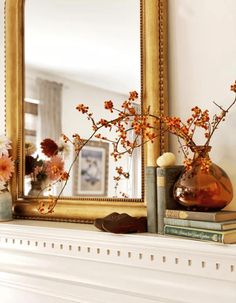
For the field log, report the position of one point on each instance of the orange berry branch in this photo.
(145, 127)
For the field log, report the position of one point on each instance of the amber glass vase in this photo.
(202, 190)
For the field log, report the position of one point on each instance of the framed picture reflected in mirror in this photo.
(90, 173)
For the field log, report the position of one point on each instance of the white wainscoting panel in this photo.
(63, 262)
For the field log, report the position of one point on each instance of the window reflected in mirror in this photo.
(79, 51)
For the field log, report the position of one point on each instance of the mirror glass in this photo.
(79, 51)
(202, 67)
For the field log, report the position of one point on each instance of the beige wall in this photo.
(202, 64)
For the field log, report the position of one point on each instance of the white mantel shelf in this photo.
(66, 262)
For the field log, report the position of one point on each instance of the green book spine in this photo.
(166, 178)
(151, 198)
(226, 225)
(194, 233)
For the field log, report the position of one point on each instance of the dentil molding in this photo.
(66, 262)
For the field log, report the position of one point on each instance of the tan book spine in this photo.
(166, 178)
(218, 216)
(190, 215)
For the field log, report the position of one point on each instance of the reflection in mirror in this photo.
(202, 51)
(79, 51)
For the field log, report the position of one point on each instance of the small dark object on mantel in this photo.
(99, 222)
(122, 224)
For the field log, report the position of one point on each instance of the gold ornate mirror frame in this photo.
(154, 94)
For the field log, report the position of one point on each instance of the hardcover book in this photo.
(218, 216)
(151, 198)
(166, 178)
(224, 225)
(226, 237)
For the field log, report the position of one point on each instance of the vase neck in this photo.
(5, 190)
(36, 184)
(201, 151)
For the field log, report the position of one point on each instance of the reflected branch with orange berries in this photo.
(146, 128)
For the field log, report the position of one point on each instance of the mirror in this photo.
(148, 31)
(202, 68)
(84, 51)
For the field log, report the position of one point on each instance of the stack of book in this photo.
(217, 226)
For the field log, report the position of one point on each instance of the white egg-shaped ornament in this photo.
(166, 159)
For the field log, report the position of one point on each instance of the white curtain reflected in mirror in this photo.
(80, 51)
(50, 96)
